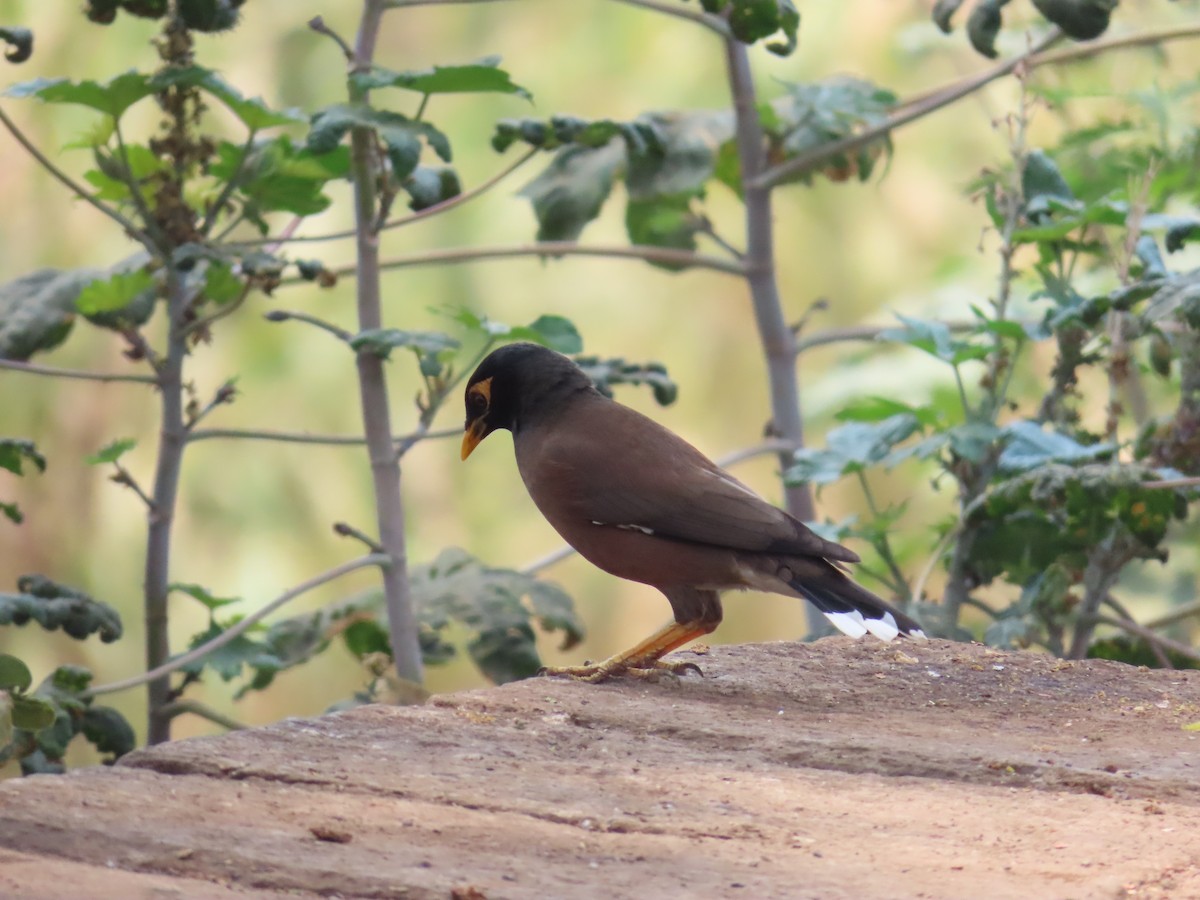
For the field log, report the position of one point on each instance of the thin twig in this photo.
(1079, 52)
(345, 529)
(317, 24)
(210, 218)
(125, 479)
(902, 116)
(281, 315)
(238, 628)
(1176, 615)
(1164, 661)
(224, 394)
(135, 189)
(669, 256)
(204, 711)
(128, 225)
(918, 592)
(706, 20)
(291, 437)
(872, 332)
(54, 372)
(228, 309)
(429, 212)
(1149, 636)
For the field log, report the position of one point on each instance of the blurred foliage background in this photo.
(255, 517)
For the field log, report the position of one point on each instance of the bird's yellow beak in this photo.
(475, 433)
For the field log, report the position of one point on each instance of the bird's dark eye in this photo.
(478, 403)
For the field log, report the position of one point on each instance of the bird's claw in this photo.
(646, 670)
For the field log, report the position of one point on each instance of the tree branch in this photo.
(53, 372)
(427, 213)
(904, 114)
(332, 440)
(706, 20)
(204, 711)
(683, 258)
(128, 225)
(1147, 635)
(372, 381)
(237, 629)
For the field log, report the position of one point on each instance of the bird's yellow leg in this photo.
(644, 660)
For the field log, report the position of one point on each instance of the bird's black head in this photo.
(514, 386)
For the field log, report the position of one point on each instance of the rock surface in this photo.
(827, 770)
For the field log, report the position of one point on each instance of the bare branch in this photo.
(332, 440)
(428, 212)
(1149, 636)
(904, 114)
(237, 629)
(53, 372)
(128, 225)
(683, 258)
(204, 711)
(711, 22)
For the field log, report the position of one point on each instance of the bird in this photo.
(643, 504)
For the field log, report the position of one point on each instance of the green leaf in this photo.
(640, 135)
(605, 373)
(112, 452)
(400, 135)
(32, 713)
(221, 285)
(481, 77)
(1028, 446)
(13, 451)
(113, 293)
(366, 636)
(20, 44)
(570, 192)
(663, 222)
(1082, 20)
(753, 20)
(936, 339)
(37, 311)
(254, 113)
(229, 659)
(458, 589)
(430, 185)
(682, 158)
(851, 448)
(382, 341)
(983, 26)
(943, 10)
(108, 731)
(556, 332)
(973, 441)
(876, 409)
(54, 606)
(12, 512)
(14, 674)
(276, 175)
(113, 97)
(814, 114)
(200, 593)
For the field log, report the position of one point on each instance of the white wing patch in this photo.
(639, 528)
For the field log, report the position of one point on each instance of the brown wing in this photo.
(604, 463)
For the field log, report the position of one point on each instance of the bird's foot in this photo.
(643, 669)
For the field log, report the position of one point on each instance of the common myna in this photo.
(641, 503)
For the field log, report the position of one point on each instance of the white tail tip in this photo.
(850, 623)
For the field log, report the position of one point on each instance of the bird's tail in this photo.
(853, 609)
